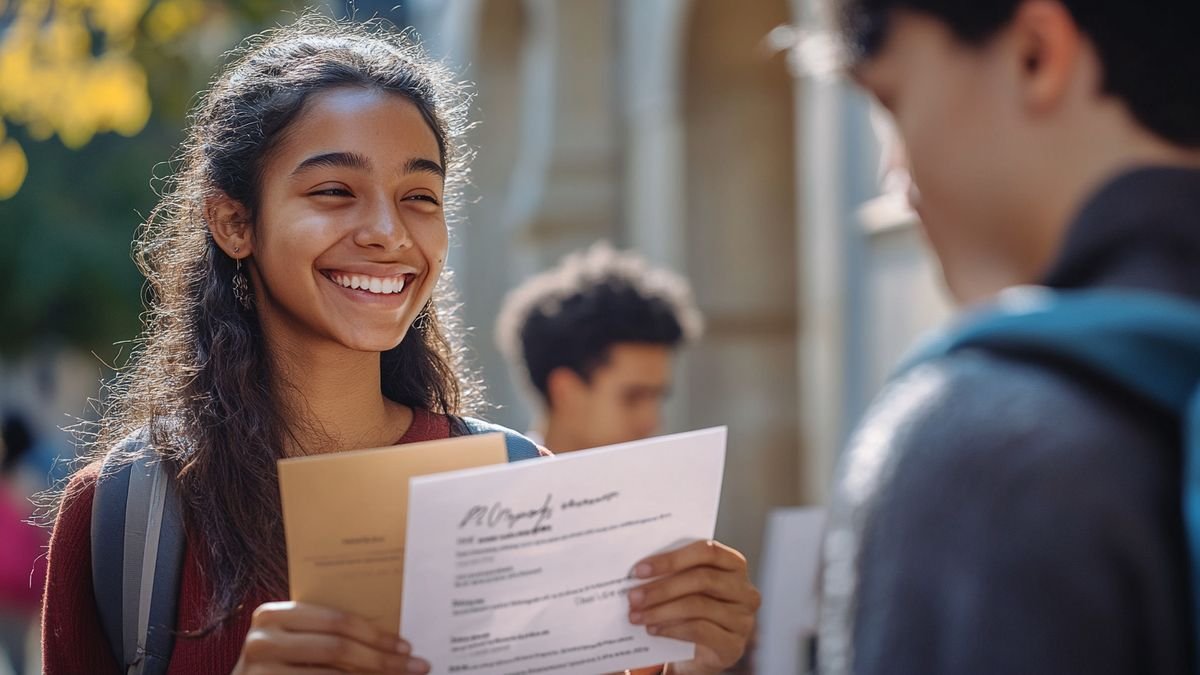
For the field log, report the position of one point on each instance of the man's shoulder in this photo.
(999, 496)
(976, 417)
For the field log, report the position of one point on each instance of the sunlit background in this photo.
(702, 133)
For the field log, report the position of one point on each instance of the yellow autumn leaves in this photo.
(13, 166)
(67, 69)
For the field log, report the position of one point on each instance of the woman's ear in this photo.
(229, 222)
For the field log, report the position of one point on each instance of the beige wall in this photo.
(739, 234)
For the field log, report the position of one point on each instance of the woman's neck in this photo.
(334, 399)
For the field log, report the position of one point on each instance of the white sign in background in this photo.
(787, 622)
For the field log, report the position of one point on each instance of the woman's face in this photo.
(350, 235)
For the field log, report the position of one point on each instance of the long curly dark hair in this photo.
(199, 384)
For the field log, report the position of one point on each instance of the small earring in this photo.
(241, 286)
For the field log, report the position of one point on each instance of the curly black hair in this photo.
(1147, 48)
(572, 315)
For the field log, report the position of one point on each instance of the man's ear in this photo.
(1051, 48)
(229, 222)
(564, 387)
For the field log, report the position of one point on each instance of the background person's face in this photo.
(954, 114)
(624, 398)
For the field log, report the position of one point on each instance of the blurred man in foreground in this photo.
(1013, 502)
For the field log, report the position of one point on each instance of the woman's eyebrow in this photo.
(421, 164)
(354, 160)
(349, 160)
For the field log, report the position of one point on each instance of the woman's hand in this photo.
(704, 596)
(291, 637)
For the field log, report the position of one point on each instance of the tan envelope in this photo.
(345, 514)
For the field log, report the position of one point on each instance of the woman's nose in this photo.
(384, 229)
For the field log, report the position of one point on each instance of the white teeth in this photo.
(380, 285)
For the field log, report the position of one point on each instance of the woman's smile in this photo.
(384, 289)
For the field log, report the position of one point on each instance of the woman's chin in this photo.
(373, 343)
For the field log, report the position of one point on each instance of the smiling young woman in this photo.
(295, 270)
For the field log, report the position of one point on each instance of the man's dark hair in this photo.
(1147, 47)
(572, 315)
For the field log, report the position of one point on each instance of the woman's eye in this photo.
(330, 192)
(426, 198)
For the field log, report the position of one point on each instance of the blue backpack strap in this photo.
(519, 447)
(1146, 342)
(137, 558)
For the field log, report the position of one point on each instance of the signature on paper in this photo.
(499, 514)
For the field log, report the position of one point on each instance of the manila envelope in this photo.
(345, 514)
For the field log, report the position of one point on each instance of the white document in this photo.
(524, 568)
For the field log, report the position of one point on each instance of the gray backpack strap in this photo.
(137, 560)
(108, 551)
(518, 446)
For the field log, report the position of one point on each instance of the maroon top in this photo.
(73, 640)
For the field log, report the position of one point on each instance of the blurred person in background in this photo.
(1013, 501)
(594, 340)
(296, 275)
(22, 544)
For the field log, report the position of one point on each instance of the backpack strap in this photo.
(137, 557)
(1145, 342)
(519, 447)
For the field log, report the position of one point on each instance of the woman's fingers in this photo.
(276, 645)
(303, 618)
(702, 553)
(715, 583)
(706, 580)
(288, 636)
(733, 617)
(701, 594)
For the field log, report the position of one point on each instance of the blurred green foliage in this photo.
(66, 273)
